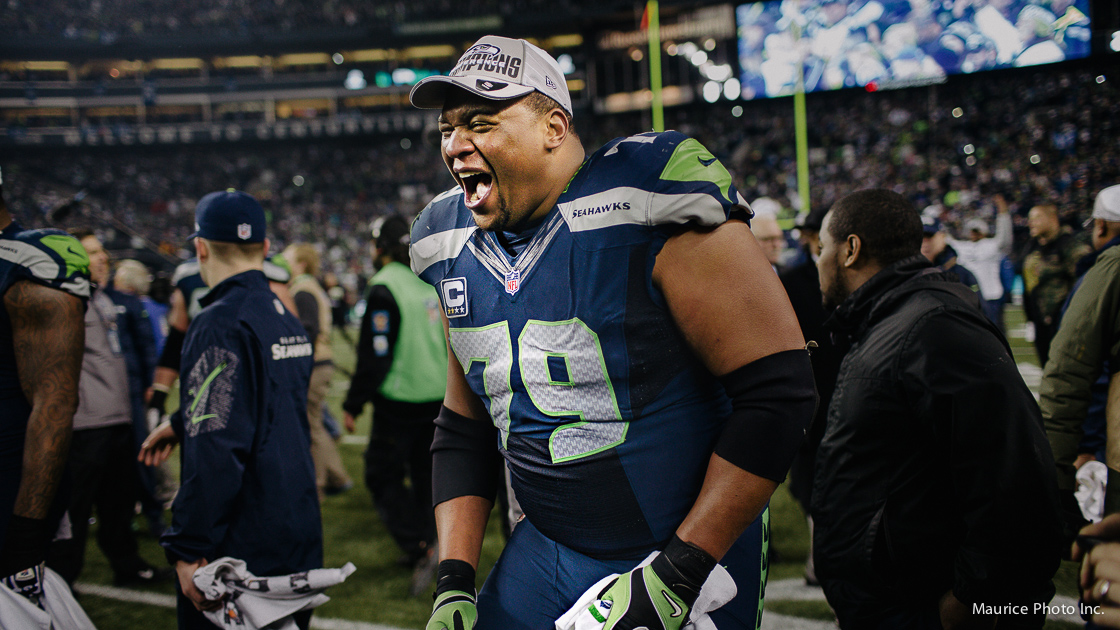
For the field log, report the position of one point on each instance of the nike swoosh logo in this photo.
(201, 390)
(707, 162)
(677, 610)
(70, 248)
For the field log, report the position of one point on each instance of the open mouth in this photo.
(476, 188)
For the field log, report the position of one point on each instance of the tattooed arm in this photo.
(48, 333)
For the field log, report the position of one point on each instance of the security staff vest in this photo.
(323, 342)
(419, 370)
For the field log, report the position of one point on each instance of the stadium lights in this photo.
(1100, 79)
(737, 111)
(337, 58)
(732, 89)
(1035, 159)
(957, 112)
(716, 73)
(298, 180)
(969, 149)
(355, 80)
(567, 66)
(698, 58)
(712, 91)
(1115, 45)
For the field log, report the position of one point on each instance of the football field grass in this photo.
(376, 595)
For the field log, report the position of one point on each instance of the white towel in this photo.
(1092, 477)
(718, 589)
(253, 602)
(59, 612)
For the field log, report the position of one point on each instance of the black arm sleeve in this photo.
(373, 363)
(772, 403)
(465, 458)
(172, 349)
(307, 309)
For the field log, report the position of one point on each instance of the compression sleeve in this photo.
(773, 400)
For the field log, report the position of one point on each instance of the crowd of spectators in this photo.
(106, 21)
(1025, 135)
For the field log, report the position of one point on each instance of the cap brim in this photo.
(431, 92)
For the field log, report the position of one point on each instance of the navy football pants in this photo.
(536, 580)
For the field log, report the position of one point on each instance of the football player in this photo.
(620, 338)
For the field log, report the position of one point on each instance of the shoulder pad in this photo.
(184, 271)
(440, 231)
(667, 178)
(276, 273)
(52, 258)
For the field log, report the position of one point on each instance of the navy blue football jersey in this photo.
(54, 259)
(187, 280)
(606, 418)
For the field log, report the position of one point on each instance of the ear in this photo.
(201, 250)
(267, 243)
(853, 249)
(556, 129)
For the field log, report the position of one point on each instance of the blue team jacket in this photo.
(248, 484)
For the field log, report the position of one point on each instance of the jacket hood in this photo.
(893, 284)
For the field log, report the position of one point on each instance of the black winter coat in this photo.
(934, 472)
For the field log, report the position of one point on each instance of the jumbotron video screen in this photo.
(881, 44)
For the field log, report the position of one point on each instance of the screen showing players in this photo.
(897, 43)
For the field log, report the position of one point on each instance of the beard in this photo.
(835, 294)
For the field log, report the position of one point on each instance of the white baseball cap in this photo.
(1107, 205)
(497, 68)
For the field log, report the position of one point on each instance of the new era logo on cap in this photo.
(497, 68)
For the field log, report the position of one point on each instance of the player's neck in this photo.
(568, 161)
(219, 272)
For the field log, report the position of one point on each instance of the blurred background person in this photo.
(402, 370)
(983, 255)
(102, 466)
(936, 249)
(768, 232)
(802, 285)
(156, 485)
(313, 307)
(1049, 269)
(1084, 355)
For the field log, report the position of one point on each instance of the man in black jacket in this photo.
(935, 500)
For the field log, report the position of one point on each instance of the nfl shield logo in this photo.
(513, 281)
(244, 231)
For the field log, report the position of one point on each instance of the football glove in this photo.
(454, 608)
(660, 595)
